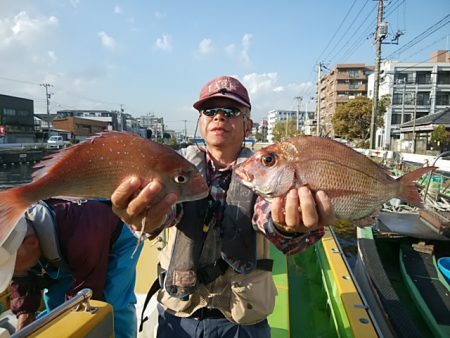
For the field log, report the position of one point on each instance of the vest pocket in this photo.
(252, 297)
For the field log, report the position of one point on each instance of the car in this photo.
(57, 141)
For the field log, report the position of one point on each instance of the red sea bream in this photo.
(95, 168)
(356, 185)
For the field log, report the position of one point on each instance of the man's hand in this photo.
(24, 319)
(134, 204)
(302, 211)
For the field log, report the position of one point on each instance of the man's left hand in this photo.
(302, 211)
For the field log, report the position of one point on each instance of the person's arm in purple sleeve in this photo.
(295, 222)
(25, 299)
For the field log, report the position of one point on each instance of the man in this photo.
(63, 247)
(216, 278)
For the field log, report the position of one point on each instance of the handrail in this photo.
(82, 297)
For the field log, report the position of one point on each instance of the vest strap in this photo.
(153, 289)
(210, 272)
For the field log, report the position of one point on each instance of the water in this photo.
(12, 175)
(19, 174)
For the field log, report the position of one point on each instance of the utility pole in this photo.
(319, 70)
(185, 131)
(47, 97)
(120, 118)
(402, 120)
(380, 34)
(299, 99)
(286, 124)
(414, 122)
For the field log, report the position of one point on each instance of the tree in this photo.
(283, 129)
(440, 137)
(352, 119)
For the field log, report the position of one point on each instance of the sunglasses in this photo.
(227, 112)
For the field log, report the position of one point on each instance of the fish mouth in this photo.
(246, 178)
(201, 195)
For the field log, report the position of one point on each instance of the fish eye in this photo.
(268, 160)
(180, 179)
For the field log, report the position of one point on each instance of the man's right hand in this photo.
(135, 206)
(24, 319)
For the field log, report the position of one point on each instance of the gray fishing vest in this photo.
(201, 247)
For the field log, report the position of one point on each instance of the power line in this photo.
(430, 30)
(336, 31)
(348, 29)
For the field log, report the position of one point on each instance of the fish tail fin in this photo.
(12, 207)
(408, 189)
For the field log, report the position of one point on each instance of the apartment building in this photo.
(416, 90)
(342, 83)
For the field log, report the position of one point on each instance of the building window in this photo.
(423, 98)
(423, 77)
(443, 99)
(9, 112)
(443, 78)
(354, 85)
(397, 98)
(403, 77)
(396, 119)
(352, 73)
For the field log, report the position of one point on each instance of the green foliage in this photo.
(258, 136)
(283, 129)
(440, 137)
(351, 120)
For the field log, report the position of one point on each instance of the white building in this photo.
(416, 90)
(276, 116)
(305, 121)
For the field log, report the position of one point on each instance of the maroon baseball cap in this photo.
(225, 87)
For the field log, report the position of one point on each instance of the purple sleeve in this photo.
(25, 296)
(86, 235)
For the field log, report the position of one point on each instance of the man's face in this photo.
(28, 255)
(220, 130)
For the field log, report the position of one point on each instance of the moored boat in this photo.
(398, 274)
(317, 297)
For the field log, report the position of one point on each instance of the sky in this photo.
(153, 57)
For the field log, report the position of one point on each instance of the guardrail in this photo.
(81, 298)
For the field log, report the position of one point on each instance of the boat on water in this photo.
(398, 273)
(317, 297)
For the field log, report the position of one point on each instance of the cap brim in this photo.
(199, 103)
(7, 271)
(8, 253)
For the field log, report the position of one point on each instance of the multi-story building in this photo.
(16, 120)
(304, 121)
(262, 129)
(155, 124)
(276, 116)
(416, 90)
(342, 83)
